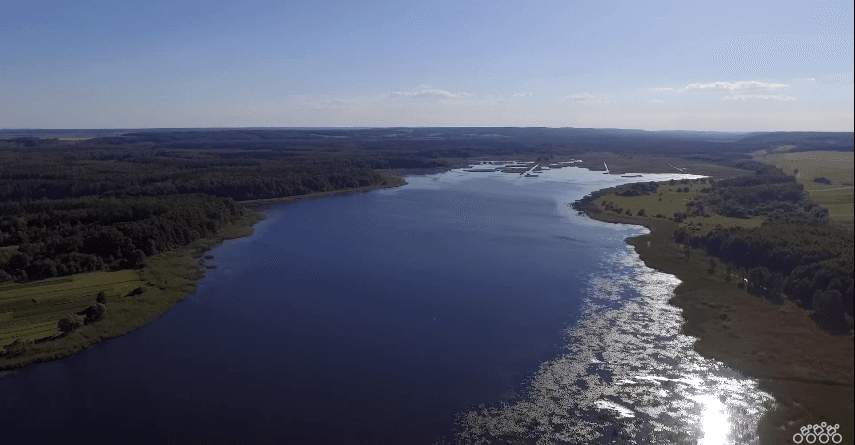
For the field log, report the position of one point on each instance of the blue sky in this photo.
(721, 66)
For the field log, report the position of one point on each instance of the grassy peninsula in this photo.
(808, 369)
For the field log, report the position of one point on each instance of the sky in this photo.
(696, 65)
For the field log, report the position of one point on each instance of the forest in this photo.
(797, 254)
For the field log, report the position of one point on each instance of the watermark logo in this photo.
(820, 433)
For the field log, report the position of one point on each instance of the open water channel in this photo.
(460, 308)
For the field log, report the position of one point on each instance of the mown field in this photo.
(836, 166)
(32, 310)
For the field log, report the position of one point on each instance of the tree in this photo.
(18, 261)
(137, 258)
(828, 310)
(641, 213)
(101, 298)
(150, 247)
(712, 266)
(70, 323)
(97, 311)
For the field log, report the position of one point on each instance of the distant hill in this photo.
(803, 141)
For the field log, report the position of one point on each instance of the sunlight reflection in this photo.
(714, 420)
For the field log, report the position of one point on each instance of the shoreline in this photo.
(808, 371)
(260, 204)
(169, 278)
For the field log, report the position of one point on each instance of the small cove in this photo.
(384, 318)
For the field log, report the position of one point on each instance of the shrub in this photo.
(94, 313)
(101, 298)
(19, 347)
(70, 323)
(641, 213)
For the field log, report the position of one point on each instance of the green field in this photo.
(837, 166)
(32, 310)
(669, 203)
(674, 202)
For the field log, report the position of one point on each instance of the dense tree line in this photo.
(25, 177)
(640, 189)
(57, 238)
(769, 193)
(808, 264)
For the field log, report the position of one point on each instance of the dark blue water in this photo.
(370, 318)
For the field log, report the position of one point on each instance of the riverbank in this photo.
(807, 370)
(390, 181)
(167, 279)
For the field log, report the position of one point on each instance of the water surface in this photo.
(463, 306)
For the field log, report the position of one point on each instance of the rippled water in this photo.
(629, 376)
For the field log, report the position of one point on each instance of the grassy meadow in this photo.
(836, 166)
(667, 202)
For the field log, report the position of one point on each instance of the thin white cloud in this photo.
(579, 97)
(729, 87)
(811, 79)
(522, 95)
(778, 97)
(657, 101)
(431, 92)
(736, 86)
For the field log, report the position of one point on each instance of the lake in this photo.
(460, 307)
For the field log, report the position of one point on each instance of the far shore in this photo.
(808, 371)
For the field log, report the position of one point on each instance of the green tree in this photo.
(137, 258)
(101, 298)
(713, 266)
(18, 261)
(70, 323)
(97, 311)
